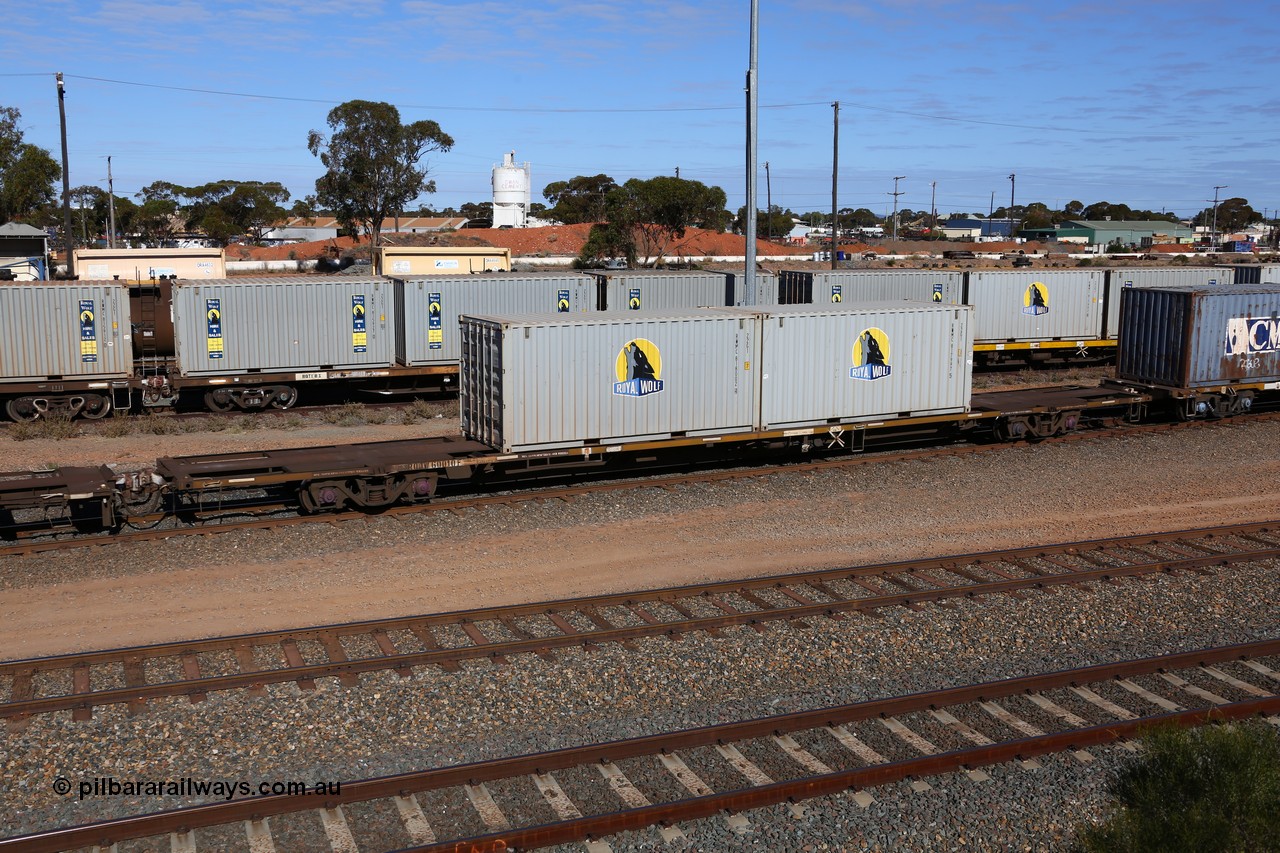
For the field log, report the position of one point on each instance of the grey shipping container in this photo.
(1122, 277)
(766, 288)
(662, 290)
(834, 287)
(1036, 305)
(262, 325)
(75, 330)
(543, 382)
(863, 362)
(1196, 337)
(429, 306)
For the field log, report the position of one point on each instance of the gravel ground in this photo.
(485, 711)
(1014, 497)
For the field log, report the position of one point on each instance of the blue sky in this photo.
(1147, 103)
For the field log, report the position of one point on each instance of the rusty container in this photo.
(1199, 337)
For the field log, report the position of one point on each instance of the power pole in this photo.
(66, 183)
(991, 211)
(933, 209)
(111, 207)
(1013, 182)
(749, 282)
(768, 204)
(1214, 238)
(895, 195)
(835, 170)
(677, 172)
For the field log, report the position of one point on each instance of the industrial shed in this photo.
(23, 252)
(1134, 233)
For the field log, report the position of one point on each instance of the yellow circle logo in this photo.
(1035, 300)
(871, 355)
(639, 359)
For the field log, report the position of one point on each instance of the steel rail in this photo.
(597, 826)
(106, 833)
(489, 650)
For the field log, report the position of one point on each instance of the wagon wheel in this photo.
(284, 398)
(22, 410)
(219, 401)
(96, 407)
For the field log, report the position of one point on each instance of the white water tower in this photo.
(511, 193)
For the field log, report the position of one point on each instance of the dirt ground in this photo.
(314, 574)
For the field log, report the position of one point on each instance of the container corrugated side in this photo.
(72, 330)
(1184, 337)
(1122, 277)
(1036, 305)
(429, 307)
(766, 292)
(836, 287)
(864, 362)
(264, 325)
(536, 383)
(640, 290)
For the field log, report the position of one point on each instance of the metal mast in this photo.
(749, 283)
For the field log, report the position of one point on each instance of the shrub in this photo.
(120, 425)
(1213, 788)
(348, 414)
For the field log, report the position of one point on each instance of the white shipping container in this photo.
(663, 290)
(429, 306)
(543, 382)
(261, 325)
(1036, 305)
(69, 330)
(1125, 277)
(863, 362)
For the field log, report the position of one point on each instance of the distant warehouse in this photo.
(1104, 233)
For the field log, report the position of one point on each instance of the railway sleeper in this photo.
(32, 408)
(251, 398)
(370, 492)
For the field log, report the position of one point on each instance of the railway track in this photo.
(131, 676)
(230, 516)
(589, 792)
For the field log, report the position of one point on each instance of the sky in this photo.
(1150, 104)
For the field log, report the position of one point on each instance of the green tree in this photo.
(27, 173)
(580, 199)
(89, 212)
(1209, 789)
(371, 163)
(482, 211)
(661, 209)
(1233, 214)
(777, 222)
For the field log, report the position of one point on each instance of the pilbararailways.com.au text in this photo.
(226, 789)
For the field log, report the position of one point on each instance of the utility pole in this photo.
(768, 195)
(66, 183)
(1012, 184)
(835, 170)
(895, 195)
(677, 173)
(991, 211)
(933, 209)
(749, 282)
(1214, 237)
(111, 207)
